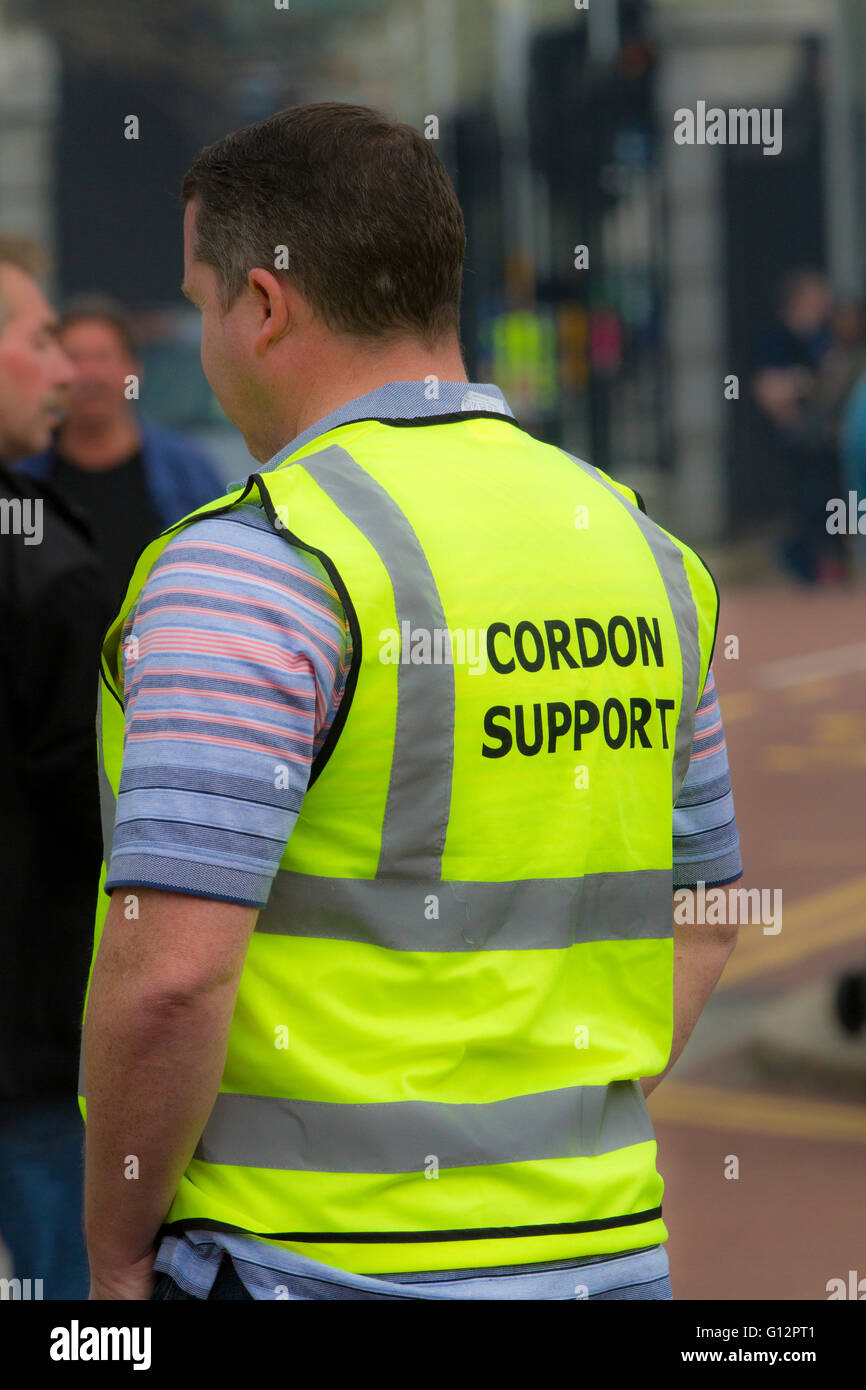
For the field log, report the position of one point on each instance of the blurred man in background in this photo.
(518, 350)
(852, 452)
(791, 361)
(53, 602)
(103, 459)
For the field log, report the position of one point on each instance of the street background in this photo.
(619, 287)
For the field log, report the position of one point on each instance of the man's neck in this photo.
(101, 446)
(355, 377)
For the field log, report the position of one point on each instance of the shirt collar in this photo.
(402, 400)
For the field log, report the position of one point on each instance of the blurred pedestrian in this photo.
(842, 364)
(852, 451)
(54, 611)
(104, 459)
(789, 362)
(518, 349)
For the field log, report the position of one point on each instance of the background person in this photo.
(793, 354)
(852, 440)
(104, 459)
(54, 612)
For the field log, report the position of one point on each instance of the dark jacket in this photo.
(52, 618)
(179, 476)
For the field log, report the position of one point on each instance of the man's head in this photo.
(35, 373)
(96, 335)
(317, 242)
(805, 301)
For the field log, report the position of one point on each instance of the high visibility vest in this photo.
(524, 359)
(468, 944)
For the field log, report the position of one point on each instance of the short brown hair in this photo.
(100, 308)
(363, 205)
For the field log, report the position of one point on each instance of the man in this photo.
(518, 343)
(107, 463)
(852, 450)
(54, 615)
(787, 387)
(389, 936)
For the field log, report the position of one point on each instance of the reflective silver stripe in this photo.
(669, 559)
(403, 1136)
(419, 791)
(530, 914)
(107, 799)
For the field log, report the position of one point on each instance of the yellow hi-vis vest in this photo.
(468, 943)
(524, 350)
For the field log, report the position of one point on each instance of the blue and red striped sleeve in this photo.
(706, 840)
(236, 658)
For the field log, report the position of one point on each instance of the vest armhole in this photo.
(335, 577)
(718, 612)
(167, 531)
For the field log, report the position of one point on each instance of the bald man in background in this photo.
(54, 614)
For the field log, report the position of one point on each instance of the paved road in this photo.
(794, 705)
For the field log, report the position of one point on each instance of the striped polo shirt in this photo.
(236, 658)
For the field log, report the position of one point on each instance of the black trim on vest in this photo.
(642, 506)
(563, 1228)
(342, 714)
(412, 421)
(718, 611)
(176, 526)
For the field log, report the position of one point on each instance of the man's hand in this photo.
(780, 392)
(134, 1282)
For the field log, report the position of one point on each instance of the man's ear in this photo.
(271, 308)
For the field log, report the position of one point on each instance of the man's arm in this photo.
(700, 956)
(260, 628)
(158, 1018)
(706, 850)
